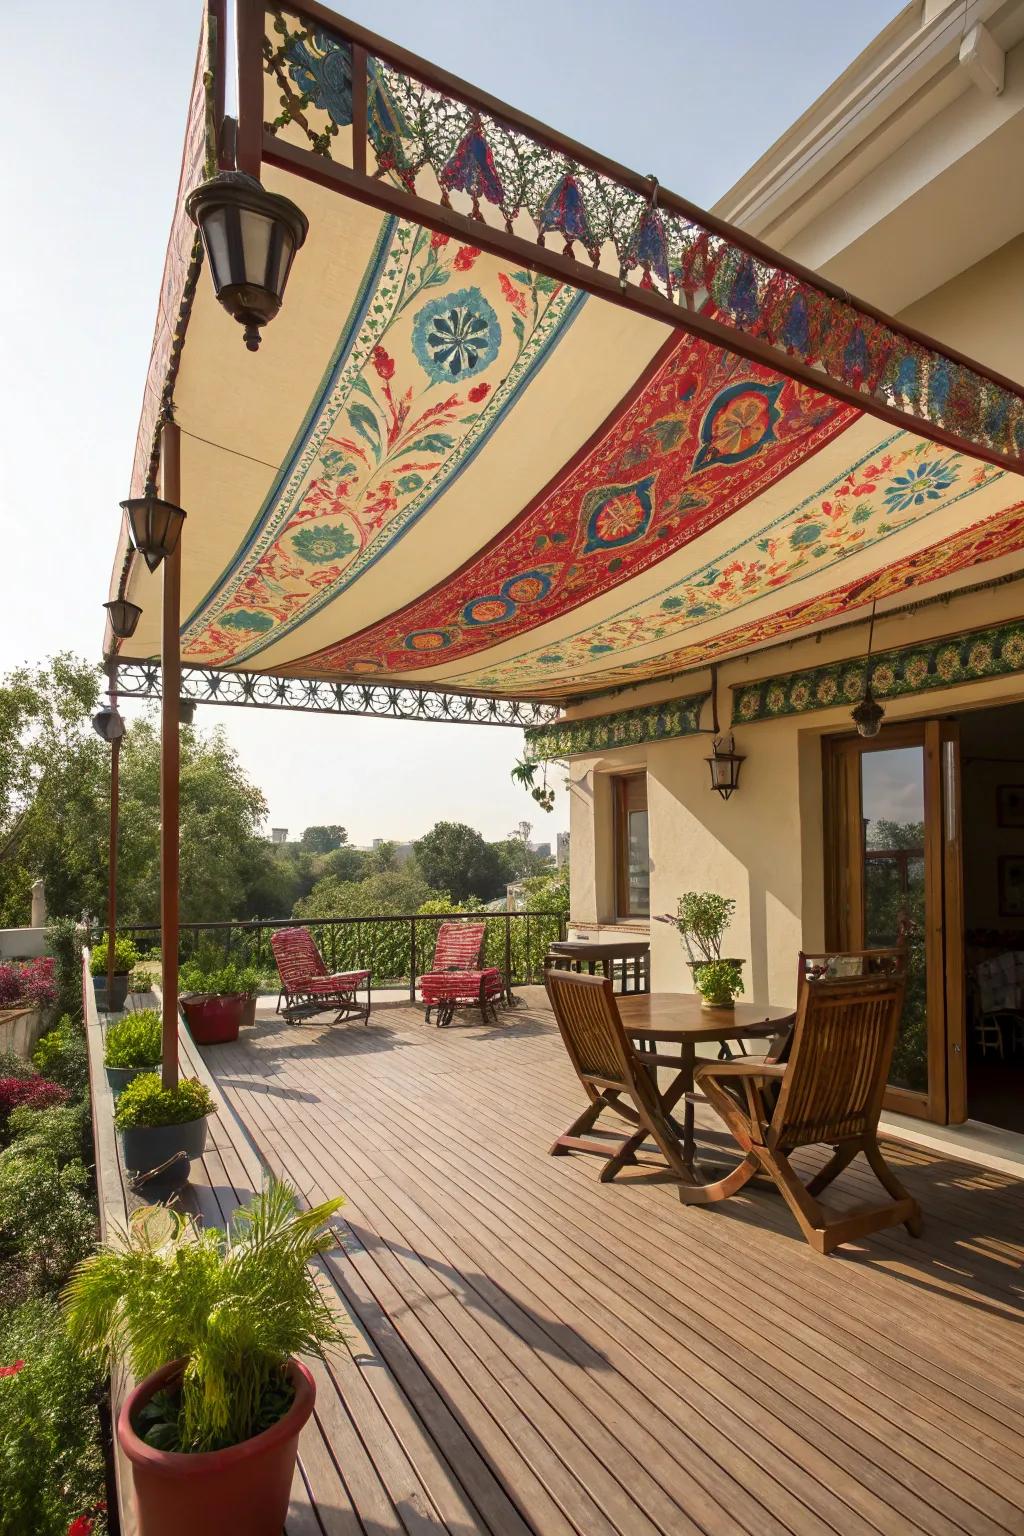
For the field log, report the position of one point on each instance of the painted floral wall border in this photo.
(625, 728)
(906, 669)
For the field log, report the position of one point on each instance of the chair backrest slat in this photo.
(458, 946)
(591, 1029)
(839, 1057)
(296, 955)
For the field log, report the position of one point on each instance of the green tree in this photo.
(455, 858)
(346, 863)
(54, 789)
(393, 892)
(323, 839)
(381, 859)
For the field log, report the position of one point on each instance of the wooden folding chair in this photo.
(612, 1071)
(829, 1091)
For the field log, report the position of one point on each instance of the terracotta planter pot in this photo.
(212, 1019)
(150, 1146)
(249, 1011)
(210, 1493)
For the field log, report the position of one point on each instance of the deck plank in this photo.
(534, 1352)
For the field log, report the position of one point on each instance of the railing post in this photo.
(412, 959)
(170, 766)
(508, 950)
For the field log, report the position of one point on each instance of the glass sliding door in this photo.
(892, 819)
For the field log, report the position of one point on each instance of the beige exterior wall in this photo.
(764, 846)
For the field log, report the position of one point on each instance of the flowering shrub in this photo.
(29, 984)
(33, 1092)
(51, 1469)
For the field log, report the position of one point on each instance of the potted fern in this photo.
(158, 1123)
(213, 1323)
(701, 920)
(133, 1045)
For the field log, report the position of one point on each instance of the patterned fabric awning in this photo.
(573, 440)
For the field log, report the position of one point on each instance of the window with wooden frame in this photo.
(632, 852)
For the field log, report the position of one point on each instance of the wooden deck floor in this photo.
(534, 1352)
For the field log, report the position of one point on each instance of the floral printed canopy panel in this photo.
(445, 468)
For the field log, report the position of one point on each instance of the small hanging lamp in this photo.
(108, 724)
(868, 714)
(250, 237)
(124, 617)
(155, 527)
(186, 711)
(724, 763)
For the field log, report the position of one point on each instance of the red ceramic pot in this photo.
(209, 1493)
(213, 1020)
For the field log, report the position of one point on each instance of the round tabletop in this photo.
(681, 1016)
(602, 949)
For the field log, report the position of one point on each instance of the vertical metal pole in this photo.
(115, 786)
(170, 761)
(508, 952)
(412, 959)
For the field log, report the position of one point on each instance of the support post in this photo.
(115, 787)
(170, 764)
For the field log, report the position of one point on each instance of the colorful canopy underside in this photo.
(447, 467)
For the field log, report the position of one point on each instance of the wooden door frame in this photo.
(944, 1100)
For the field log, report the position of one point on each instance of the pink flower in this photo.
(437, 239)
(465, 258)
(12, 1370)
(383, 362)
(478, 392)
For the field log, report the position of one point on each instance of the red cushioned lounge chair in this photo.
(457, 979)
(306, 985)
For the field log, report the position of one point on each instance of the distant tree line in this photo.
(54, 805)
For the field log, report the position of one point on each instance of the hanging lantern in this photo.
(124, 617)
(724, 764)
(155, 527)
(108, 724)
(186, 711)
(250, 237)
(868, 714)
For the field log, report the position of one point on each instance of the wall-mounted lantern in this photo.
(250, 237)
(155, 527)
(186, 711)
(724, 763)
(124, 617)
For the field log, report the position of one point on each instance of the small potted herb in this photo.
(132, 1045)
(213, 1323)
(126, 957)
(701, 920)
(216, 1000)
(158, 1123)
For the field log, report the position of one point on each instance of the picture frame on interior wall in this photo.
(1011, 885)
(1010, 805)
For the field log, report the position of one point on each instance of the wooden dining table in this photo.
(655, 1020)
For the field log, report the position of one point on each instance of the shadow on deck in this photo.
(535, 1352)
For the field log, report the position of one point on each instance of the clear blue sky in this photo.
(95, 100)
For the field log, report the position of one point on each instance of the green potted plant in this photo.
(217, 999)
(131, 1046)
(701, 920)
(213, 1323)
(126, 957)
(157, 1123)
